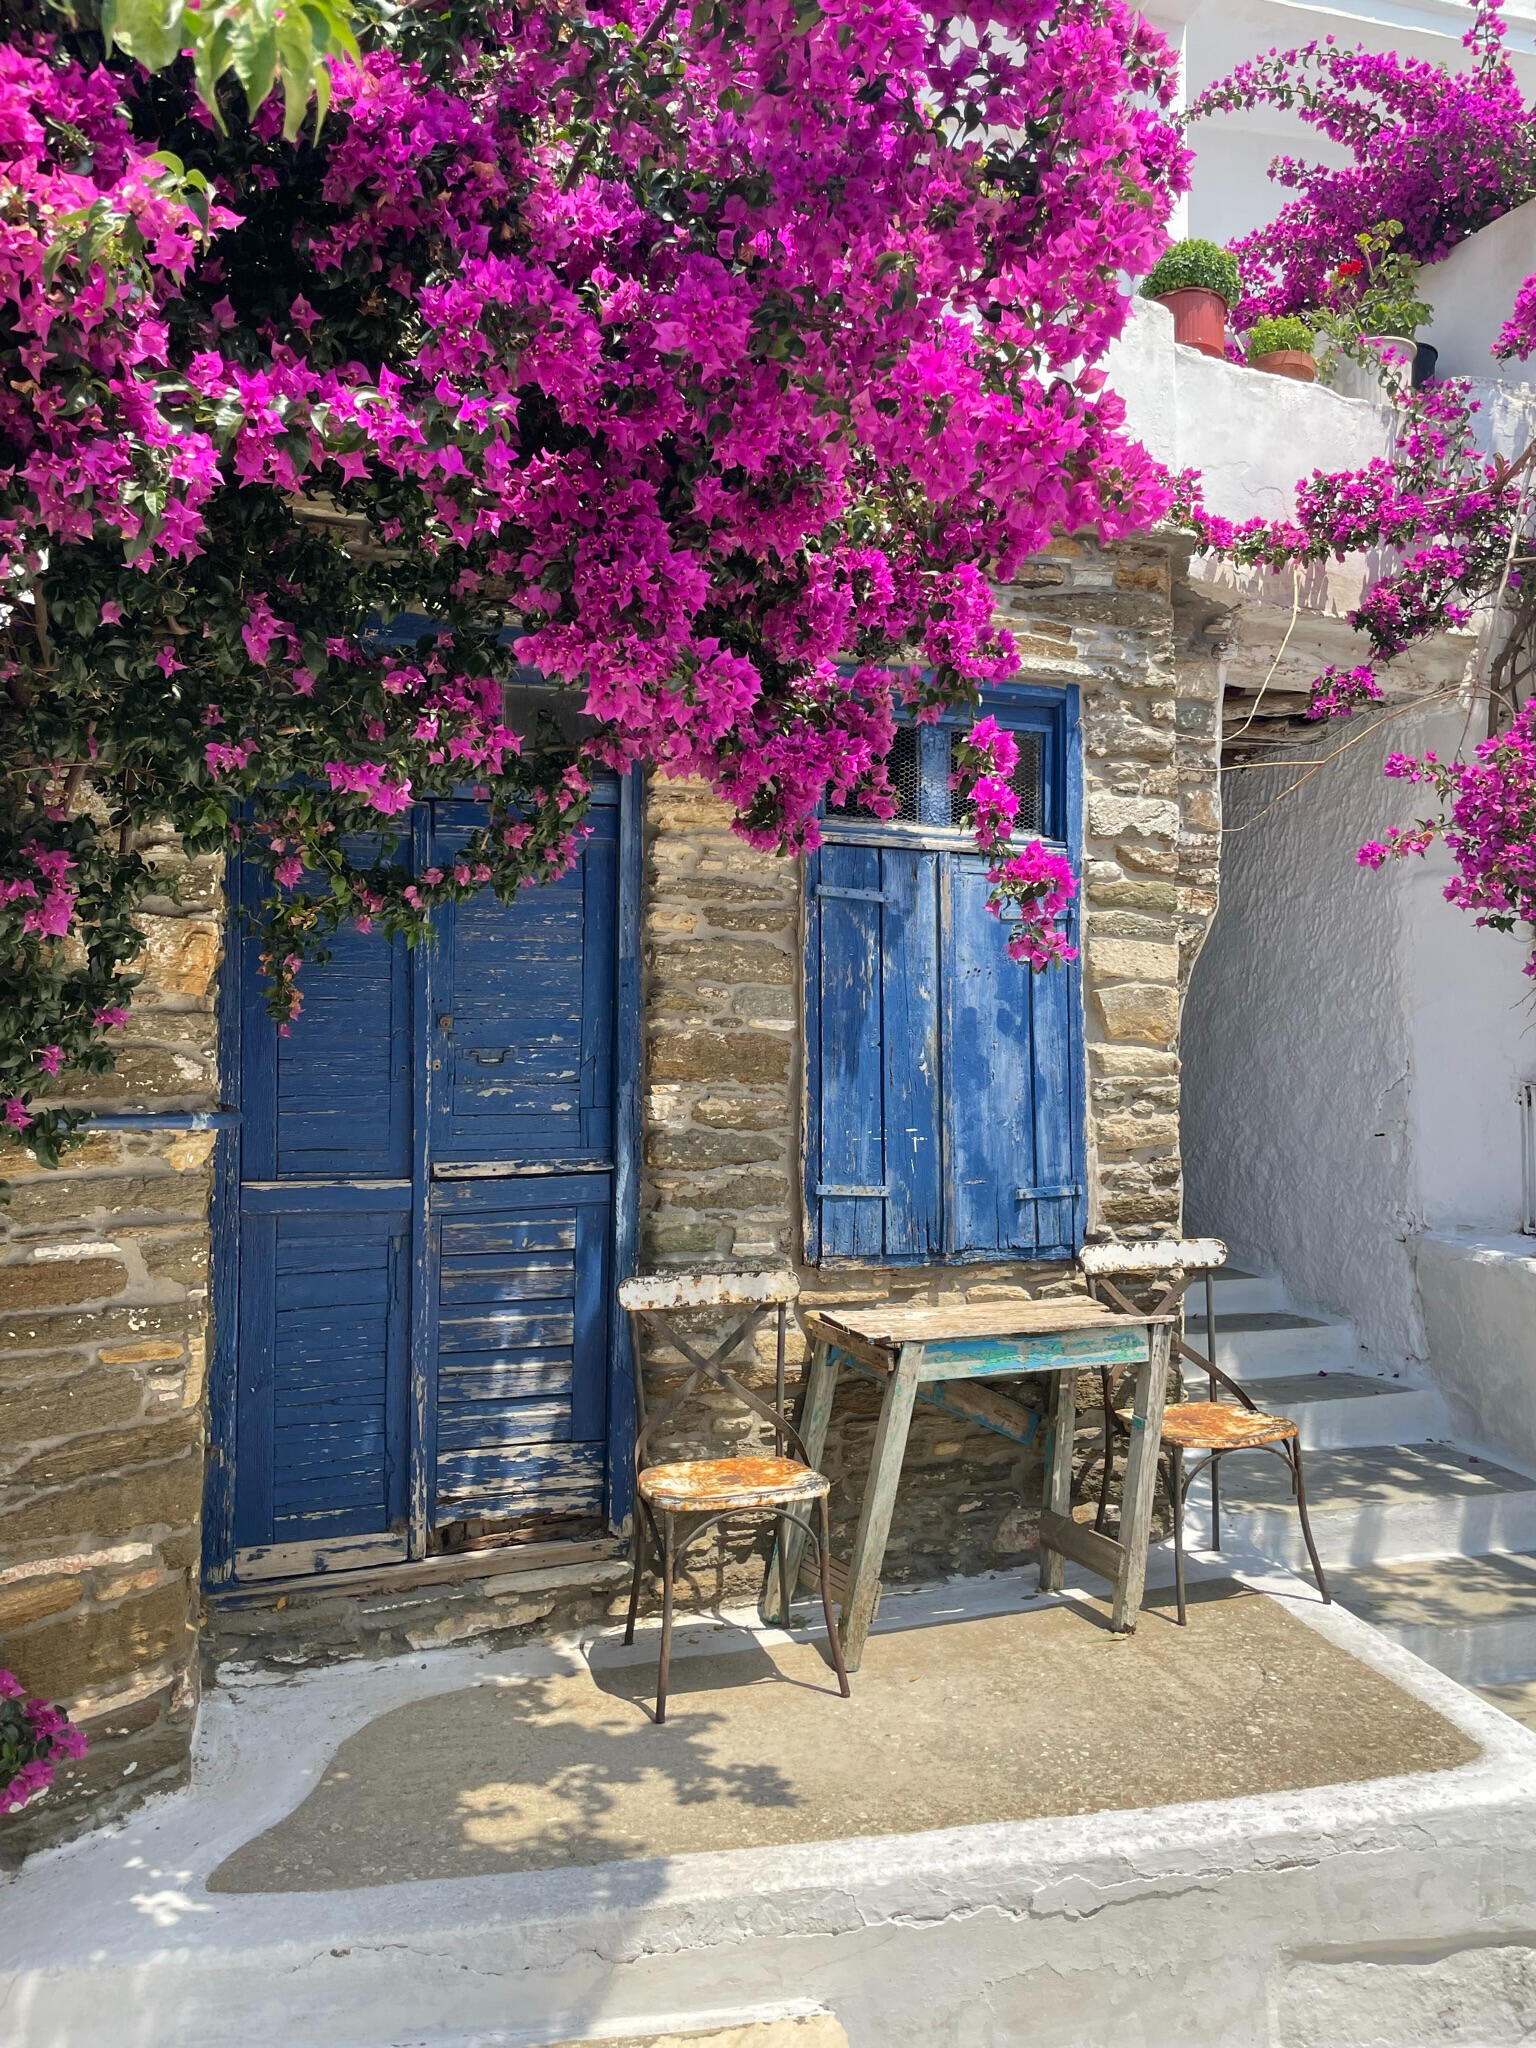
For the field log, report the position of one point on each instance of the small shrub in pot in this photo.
(1197, 281)
(1283, 346)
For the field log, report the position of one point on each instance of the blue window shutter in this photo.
(873, 1156)
(1013, 1173)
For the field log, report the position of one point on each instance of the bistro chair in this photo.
(1211, 1429)
(680, 1501)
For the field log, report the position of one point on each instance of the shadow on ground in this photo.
(1013, 1717)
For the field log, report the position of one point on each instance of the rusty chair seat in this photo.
(713, 1485)
(1218, 1426)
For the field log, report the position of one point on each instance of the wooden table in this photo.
(938, 1354)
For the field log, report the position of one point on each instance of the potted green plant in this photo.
(1372, 312)
(1283, 346)
(1198, 283)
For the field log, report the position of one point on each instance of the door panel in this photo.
(522, 1010)
(322, 1391)
(521, 1342)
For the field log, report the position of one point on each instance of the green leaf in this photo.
(153, 31)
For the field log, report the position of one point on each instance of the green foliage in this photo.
(260, 43)
(1264, 337)
(1194, 265)
(1371, 293)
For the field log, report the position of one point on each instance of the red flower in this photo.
(1351, 267)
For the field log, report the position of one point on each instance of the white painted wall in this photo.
(1479, 1297)
(1298, 1051)
(1473, 291)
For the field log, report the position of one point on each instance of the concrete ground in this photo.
(1274, 1829)
(1006, 1718)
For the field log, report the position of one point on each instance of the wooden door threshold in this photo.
(512, 1560)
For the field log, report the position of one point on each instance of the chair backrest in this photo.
(656, 1298)
(1175, 1260)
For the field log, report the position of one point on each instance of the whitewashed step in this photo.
(1473, 1618)
(1235, 1291)
(1335, 1409)
(1254, 1342)
(1371, 1504)
(1517, 1699)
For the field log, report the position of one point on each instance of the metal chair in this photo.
(1212, 1427)
(714, 1490)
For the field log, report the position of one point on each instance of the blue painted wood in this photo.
(628, 1059)
(944, 1084)
(986, 1357)
(521, 1333)
(407, 1349)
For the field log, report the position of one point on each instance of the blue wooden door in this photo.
(425, 1224)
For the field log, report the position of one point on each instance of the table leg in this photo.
(820, 1388)
(1059, 1446)
(879, 1500)
(1141, 1478)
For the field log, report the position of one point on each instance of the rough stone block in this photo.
(718, 1056)
(116, 1451)
(1109, 816)
(49, 1283)
(1137, 1133)
(71, 1197)
(31, 1600)
(1110, 959)
(730, 962)
(61, 1659)
(1140, 1011)
(145, 1351)
(41, 1411)
(156, 1495)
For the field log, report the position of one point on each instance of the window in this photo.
(944, 1083)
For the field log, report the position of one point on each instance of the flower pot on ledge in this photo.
(1395, 350)
(1297, 363)
(1199, 318)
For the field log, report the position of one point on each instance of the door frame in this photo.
(219, 1471)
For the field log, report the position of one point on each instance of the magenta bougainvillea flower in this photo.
(708, 361)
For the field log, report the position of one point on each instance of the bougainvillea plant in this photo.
(1453, 527)
(35, 1737)
(707, 360)
(1439, 152)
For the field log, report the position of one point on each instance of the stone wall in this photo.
(725, 1050)
(103, 1344)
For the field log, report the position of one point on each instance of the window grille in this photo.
(1027, 782)
(1528, 1157)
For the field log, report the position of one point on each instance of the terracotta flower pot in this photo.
(1199, 318)
(1288, 362)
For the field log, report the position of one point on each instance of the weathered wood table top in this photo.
(931, 1353)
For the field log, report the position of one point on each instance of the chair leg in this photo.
(668, 1566)
(1102, 1517)
(834, 1641)
(1215, 1471)
(783, 1550)
(1176, 1498)
(634, 1590)
(1306, 1524)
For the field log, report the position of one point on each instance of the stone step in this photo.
(1337, 1409)
(1236, 1290)
(1254, 1342)
(1371, 1504)
(1473, 1618)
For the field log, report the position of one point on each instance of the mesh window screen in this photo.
(1028, 780)
(906, 773)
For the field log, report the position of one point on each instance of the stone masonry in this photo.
(103, 1351)
(725, 1049)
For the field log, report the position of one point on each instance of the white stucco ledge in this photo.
(1403, 1909)
(1478, 1294)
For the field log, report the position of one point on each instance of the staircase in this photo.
(1429, 1540)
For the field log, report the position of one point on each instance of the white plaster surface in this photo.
(1479, 1297)
(1239, 1922)
(1473, 290)
(1298, 1052)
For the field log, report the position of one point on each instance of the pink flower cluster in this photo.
(34, 1736)
(1032, 885)
(1443, 152)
